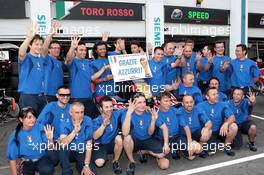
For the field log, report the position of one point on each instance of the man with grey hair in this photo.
(76, 141)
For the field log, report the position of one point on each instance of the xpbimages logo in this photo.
(212, 147)
(116, 88)
(79, 147)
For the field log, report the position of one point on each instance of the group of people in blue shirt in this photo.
(60, 124)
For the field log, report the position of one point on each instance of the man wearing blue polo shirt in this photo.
(81, 75)
(174, 120)
(214, 83)
(106, 135)
(56, 112)
(241, 107)
(52, 66)
(76, 141)
(168, 59)
(224, 127)
(221, 67)
(187, 87)
(53, 114)
(245, 72)
(159, 71)
(138, 127)
(31, 71)
(203, 65)
(104, 84)
(198, 122)
(188, 63)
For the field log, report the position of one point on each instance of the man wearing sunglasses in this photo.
(54, 113)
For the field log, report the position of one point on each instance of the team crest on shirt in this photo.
(38, 66)
(168, 120)
(29, 138)
(111, 126)
(188, 64)
(83, 67)
(190, 120)
(221, 63)
(141, 123)
(185, 92)
(62, 115)
(212, 112)
(155, 68)
(241, 67)
(237, 111)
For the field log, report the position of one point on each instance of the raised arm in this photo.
(66, 139)
(100, 131)
(48, 39)
(198, 61)
(95, 76)
(70, 55)
(127, 122)
(154, 117)
(31, 32)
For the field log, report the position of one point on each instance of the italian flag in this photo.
(63, 7)
(112, 59)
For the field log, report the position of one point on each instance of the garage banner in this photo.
(92, 10)
(129, 67)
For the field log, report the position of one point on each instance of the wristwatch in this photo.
(86, 165)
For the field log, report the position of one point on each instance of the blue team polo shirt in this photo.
(224, 78)
(31, 74)
(190, 66)
(28, 143)
(240, 111)
(171, 73)
(110, 131)
(112, 53)
(193, 91)
(216, 113)
(54, 115)
(203, 75)
(140, 124)
(243, 72)
(193, 119)
(172, 121)
(157, 81)
(107, 87)
(80, 78)
(53, 75)
(85, 134)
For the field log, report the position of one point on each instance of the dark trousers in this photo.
(68, 156)
(44, 166)
(203, 85)
(36, 101)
